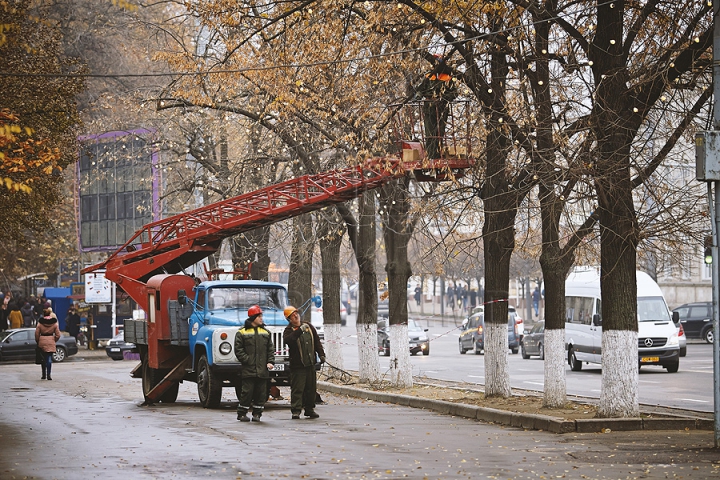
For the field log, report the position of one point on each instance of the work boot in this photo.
(296, 416)
(49, 377)
(311, 414)
(243, 417)
(256, 417)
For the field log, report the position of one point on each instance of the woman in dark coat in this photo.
(47, 333)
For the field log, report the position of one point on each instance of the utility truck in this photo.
(189, 328)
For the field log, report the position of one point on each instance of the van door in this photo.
(586, 338)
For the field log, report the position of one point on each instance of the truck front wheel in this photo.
(209, 387)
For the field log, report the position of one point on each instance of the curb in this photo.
(522, 420)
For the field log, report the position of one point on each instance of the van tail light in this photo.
(479, 329)
(518, 320)
(682, 331)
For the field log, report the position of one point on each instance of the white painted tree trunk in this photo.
(555, 392)
(619, 395)
(369, 364)
(333, 346)
(400, 366)
(497, 375)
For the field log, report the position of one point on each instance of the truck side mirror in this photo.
(182, 297)
(676, 317)
(597, 321)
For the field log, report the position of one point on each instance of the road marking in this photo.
(696, 371)
(535, 383)
(475, 376)
(648, 381)
(693, 400)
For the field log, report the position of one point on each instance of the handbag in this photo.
(39, 356)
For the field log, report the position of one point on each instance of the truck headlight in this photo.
(225, 348)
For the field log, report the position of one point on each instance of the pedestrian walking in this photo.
(47, 333)
(536, 300)
(4, 313)
(15, 317)
(303, 346)
(418, 295)
(28, 315)
(72, 322)
(255, 350)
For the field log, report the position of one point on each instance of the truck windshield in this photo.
(221, 298)
(652, 309)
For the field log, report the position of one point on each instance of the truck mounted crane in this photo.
(189, 328)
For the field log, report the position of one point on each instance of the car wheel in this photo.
(460, 348)
(683, 351)
(575, 364)
(59, 355)
(708, 335)
(209, 387)
(523, 353)
(514, 350)
(673, 367)
(476, 350)
(541, 347)
(427, 350)
(386, 349)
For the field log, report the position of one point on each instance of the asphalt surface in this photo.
(88, 423)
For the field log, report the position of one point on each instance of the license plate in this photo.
(649, 359)
(279, 367)
(114, 349)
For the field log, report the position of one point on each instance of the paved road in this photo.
(691, 388)
(88, 423)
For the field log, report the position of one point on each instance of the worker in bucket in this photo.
(303, 344)
(255, 350)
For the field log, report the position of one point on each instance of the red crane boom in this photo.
(174, 243)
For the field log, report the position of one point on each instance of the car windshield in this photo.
(652, 309)
(414, 327)
(221, 298)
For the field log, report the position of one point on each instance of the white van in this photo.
(657, 333)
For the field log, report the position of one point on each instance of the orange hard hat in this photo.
(289, 310)
(254, 311)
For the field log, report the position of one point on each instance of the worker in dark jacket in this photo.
(255, 350)
(303, 344)
(438, 90)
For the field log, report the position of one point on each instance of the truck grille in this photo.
(648, 342)
(280, 348)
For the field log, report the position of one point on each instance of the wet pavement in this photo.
(88, 423)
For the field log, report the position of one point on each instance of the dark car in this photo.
(533, 342)
(419, 341)
(117, 346)
(19, 344)
(696, 319)
(473, 338)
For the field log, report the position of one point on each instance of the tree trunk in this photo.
(396, 232)
(330, 238)
(300, 278)
(366, 324)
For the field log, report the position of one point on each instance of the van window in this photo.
(579, 310)
(652, 309)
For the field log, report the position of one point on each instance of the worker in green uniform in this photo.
(255, 350)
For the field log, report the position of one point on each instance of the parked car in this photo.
(533, 342)
(696, 319)
(682, 339)
(316, 318)
(117, 346)
(472, 336)
(418, 339)
(19, 344)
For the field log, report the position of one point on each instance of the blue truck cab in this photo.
(218, 311)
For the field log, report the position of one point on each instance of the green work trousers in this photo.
(253, 395)
(303, 387)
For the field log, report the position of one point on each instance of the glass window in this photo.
(699, 312)
(579, 310)
(244, 298)
(652, 309)
(200, 305)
